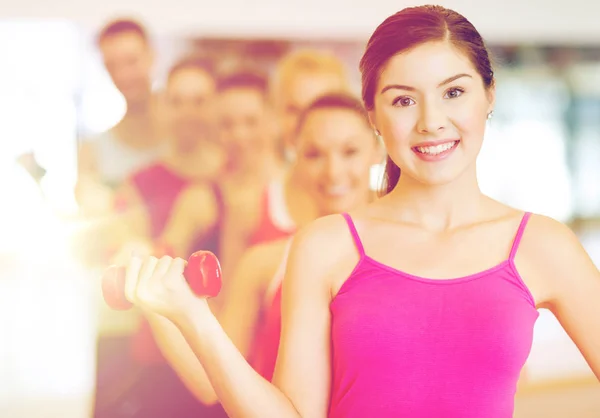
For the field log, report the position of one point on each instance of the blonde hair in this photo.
(305, 61)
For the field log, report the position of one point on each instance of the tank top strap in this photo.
(355, 236)
(519, 235)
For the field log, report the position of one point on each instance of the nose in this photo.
(334, 168)
(432, 118)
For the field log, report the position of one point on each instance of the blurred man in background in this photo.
(136, 140)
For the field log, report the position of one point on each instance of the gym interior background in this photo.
(542, 153)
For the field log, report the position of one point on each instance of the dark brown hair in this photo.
(243, 78)
(337, 100)
(122, 25)
(407, 29)
(192, 62)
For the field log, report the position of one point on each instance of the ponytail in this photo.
(390, 177)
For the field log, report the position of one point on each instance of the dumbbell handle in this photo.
(202, 272)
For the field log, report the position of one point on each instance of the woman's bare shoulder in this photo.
(323, 253)
(325, 233)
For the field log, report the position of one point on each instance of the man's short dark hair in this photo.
(122, 25)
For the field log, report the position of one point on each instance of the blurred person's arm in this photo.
(235, 237)
(195, 213)
(241, 219)
(239, 318)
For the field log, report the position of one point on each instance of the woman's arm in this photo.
(238, 318)
(194, 213)
(303, 371)
(570, 282)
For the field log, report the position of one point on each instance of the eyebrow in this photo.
(409, 88)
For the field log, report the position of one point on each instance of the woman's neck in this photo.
(441, 207)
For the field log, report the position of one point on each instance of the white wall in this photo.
(498, 20)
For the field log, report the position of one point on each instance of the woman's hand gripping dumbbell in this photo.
(158, 285)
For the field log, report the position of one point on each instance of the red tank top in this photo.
(263, 354)
(404, 345)
(268, 333)
(159, 188)
(275, 222)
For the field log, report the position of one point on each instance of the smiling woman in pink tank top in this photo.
(421, 304)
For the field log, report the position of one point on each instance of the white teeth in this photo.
(436, 149)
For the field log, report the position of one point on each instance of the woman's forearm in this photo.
(180, 356)
(241, 390)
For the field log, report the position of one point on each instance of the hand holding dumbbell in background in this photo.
(166, 286)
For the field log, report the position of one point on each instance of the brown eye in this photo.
(403, 101)
(454, 93)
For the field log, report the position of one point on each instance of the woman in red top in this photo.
(423, 302)
(300, 77)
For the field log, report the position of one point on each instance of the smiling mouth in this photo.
(434, 150)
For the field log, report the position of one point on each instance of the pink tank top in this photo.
(407, 346)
